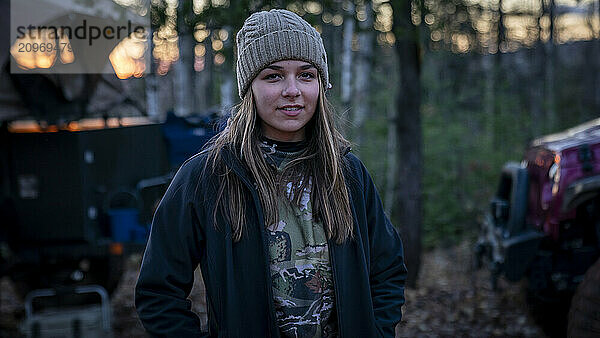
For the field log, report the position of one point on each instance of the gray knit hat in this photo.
(276, 35)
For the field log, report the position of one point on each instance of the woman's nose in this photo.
(291, 89)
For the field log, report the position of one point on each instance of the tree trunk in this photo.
(151, 83)
(183, 68)
(209, 74)
(538, 123)
(346, 78)
(362, 74)
(202, 81)
(497, 69)
(227, 79)
(549, 73)
(501, 27)
(391, 170)
(489, 97)
(538, 65)
(407, 209)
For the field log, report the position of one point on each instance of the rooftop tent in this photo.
(61, 92)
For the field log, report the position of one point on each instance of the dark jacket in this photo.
(369, 270)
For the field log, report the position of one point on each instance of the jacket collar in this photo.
(232, 161)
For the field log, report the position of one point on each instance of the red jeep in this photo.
(544, 225)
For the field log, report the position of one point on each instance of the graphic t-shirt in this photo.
(301, 273)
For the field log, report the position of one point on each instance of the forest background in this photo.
(436, 94)
(492, 75)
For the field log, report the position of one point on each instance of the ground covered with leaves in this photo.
(451, 300)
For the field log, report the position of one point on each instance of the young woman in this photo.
(285, 223)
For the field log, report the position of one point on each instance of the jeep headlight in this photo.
(554, 174)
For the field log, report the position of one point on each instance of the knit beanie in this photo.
(276, 35)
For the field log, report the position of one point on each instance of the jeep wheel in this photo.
(584, 316)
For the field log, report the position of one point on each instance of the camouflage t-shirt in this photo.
(301, 274)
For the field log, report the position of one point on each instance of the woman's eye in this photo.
(307, 75)
(273, 76)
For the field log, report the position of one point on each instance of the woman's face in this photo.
(286, 94)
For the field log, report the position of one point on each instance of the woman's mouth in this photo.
(291, 110)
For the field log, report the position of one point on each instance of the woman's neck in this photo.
(284, 145)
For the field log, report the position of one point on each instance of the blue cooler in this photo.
(124, 225)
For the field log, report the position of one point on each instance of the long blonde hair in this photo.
(321, 161)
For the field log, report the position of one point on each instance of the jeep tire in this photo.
(584, 315)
